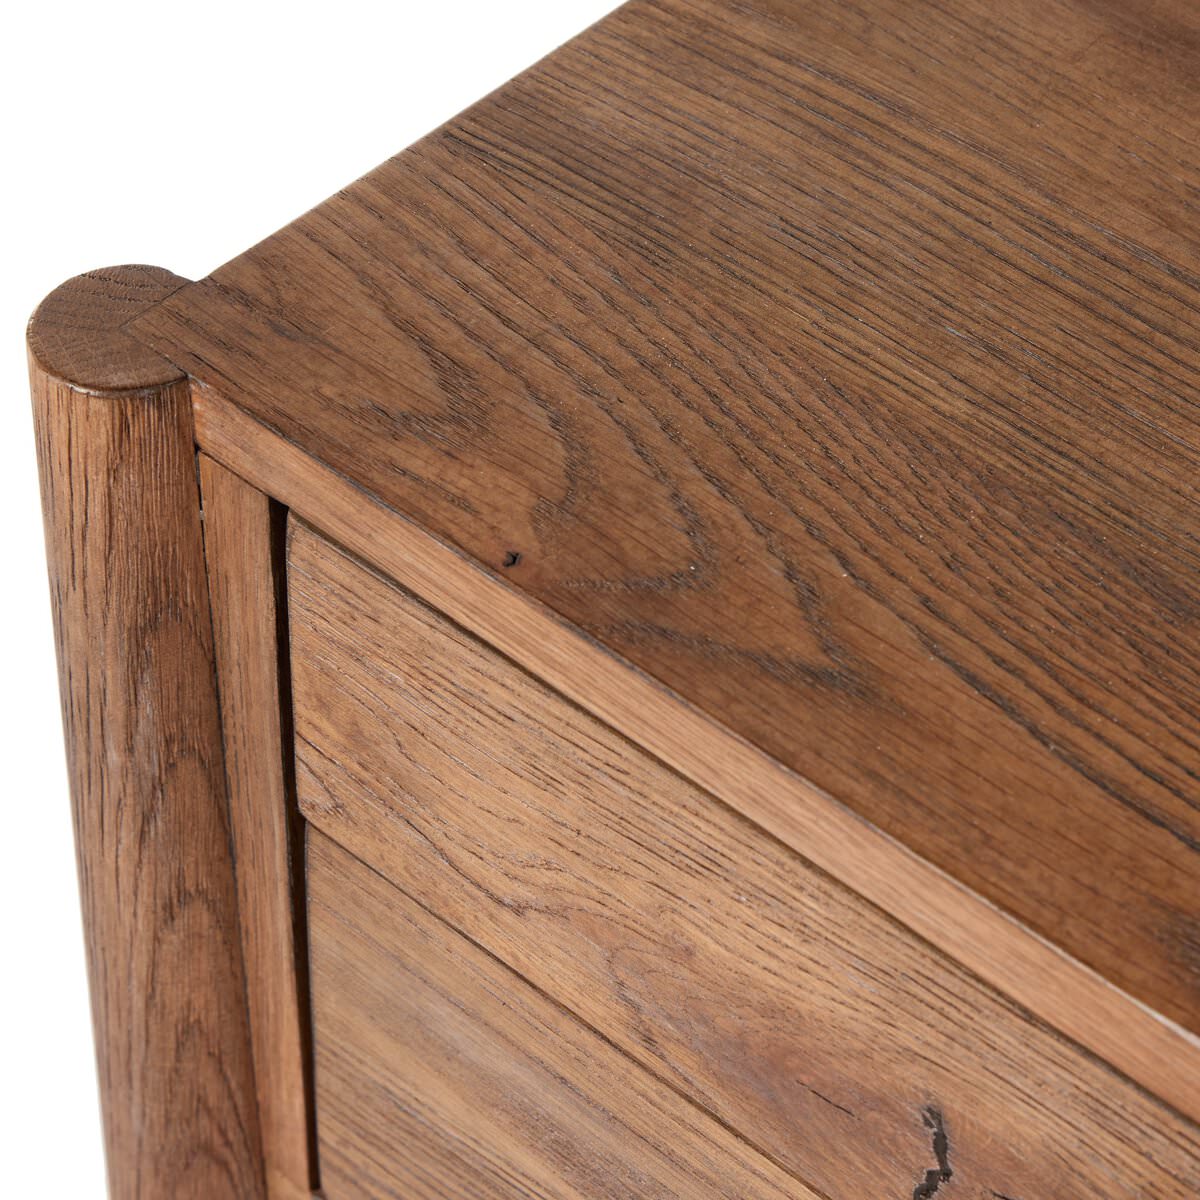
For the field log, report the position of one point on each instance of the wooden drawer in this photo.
(441, 1073)
(834, 1043)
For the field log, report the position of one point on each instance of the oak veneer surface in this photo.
(835, 365)
(832, 1040)
(443, 1074)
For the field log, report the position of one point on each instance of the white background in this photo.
(178, 136)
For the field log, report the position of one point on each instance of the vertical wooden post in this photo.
(135, 653)
(243, 550)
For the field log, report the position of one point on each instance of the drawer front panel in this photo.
(830, 1038)
(440, 1073)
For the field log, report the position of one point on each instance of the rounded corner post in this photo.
(133, 634)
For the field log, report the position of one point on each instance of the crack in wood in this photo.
(932, 1119)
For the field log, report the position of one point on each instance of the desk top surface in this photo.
(838, 366)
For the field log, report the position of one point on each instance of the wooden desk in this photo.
(688, 679)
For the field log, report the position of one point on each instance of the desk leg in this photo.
(135, 653)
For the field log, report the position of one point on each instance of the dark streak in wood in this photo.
(932, 1119)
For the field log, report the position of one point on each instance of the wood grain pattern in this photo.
(1056, 988)
(836, 366)
(239, 544)
(831, 1039)
(443, 1074)
(143, 736)
(77, 335)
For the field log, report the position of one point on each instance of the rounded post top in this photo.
(77, 333)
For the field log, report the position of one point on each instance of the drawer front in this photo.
(442, 1074)
(829, 1038)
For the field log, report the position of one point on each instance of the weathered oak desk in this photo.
(678, 672)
